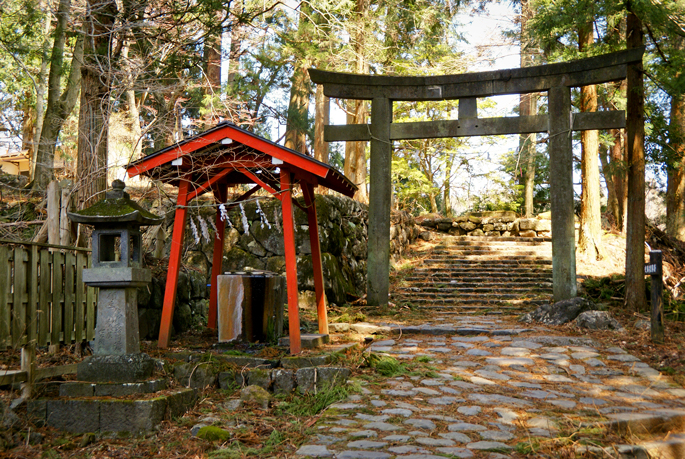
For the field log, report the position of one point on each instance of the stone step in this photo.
(509, 259)
(462, 299)
(476, 289)
(496, 242)
(476, 268)
(481, 277)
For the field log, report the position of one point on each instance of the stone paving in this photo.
(487, 393)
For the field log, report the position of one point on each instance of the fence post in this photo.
(654, 269)
(28, 364)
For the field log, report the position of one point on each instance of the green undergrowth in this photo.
(312, 403)
(610, 291)
(388, 366)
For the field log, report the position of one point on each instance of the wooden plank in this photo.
(51, 372)
(69, 296)
(79, 316)
(44, 297)
(14, 376)
(5, 271)
(19, 298)
(57, 292)
(47, 246)
(8, 377)
(32, 311)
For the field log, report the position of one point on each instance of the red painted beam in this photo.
(174, 265)
(259, 182)
(220, 193)
(205, 186)
(290, 262)
(317, 266)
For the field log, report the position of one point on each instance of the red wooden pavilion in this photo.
(224, 156)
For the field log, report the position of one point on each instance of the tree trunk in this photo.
(590, 234)
(298, 108)
(612, 202)
(619, 179)
(355, 152)
(527, 107)
(675, 192)
(41, 85)
(95, 101)
(323, 110)
(59, 105)
(635, 153)
(447, 187)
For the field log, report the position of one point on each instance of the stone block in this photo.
(330, 376)
(76, 416)
(259, 377)
(306, 379)
(477, 232)
(467, 226)
(526, 224)
(488, 227)
(249, 362)
(115, 368)
(76, 389)
(133, 416)
(307, 340)
(283, 381)
(528, 233)
(492, 233)
(302, 362)
(179, 401)
(196, 376)
(124, 389)
(339, 327)
(36, 411)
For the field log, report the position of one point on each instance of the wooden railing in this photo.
(43, 300)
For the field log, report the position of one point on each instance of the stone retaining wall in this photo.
(498, 223)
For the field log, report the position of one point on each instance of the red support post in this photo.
(290, 261)
(317, 266)
(217, 257)
(174, 264)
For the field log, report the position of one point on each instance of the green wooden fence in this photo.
(42, 296)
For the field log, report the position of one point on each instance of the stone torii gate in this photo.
(555, 79)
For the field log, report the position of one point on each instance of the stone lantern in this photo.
(117, 271)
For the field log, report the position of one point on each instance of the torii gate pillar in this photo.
(380, 195)
(561, 193)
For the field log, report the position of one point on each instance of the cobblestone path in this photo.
(494, 389)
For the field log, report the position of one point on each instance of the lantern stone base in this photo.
(128, 368)
(80, 415)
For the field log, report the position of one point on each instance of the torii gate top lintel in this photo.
(581, 72)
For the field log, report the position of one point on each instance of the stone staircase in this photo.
(465, 273)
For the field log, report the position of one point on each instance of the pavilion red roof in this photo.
(228, 150)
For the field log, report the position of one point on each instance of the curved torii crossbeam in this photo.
(227, 155)
(555, 79)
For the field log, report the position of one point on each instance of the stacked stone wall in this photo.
(491, 224)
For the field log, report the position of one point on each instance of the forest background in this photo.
(88, 85)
